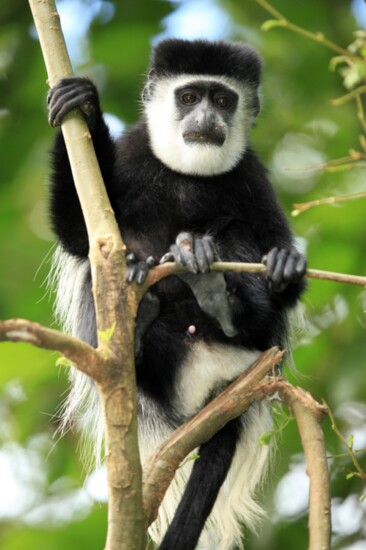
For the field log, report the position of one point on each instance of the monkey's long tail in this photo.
(208, 474)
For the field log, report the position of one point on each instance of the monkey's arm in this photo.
(66, 215)
(227, 298)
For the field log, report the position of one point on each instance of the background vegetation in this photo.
(44, 503)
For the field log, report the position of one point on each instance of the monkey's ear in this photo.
(149, 87)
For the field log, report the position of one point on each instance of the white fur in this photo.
(205, 370)
(166, 133)
(81, 407)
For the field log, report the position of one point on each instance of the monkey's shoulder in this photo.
(133, 151)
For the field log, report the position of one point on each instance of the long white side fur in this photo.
(165, 131)
(207, 367)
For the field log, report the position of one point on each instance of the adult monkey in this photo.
(185, 174)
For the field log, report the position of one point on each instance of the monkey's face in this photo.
(199, 125)
(205, 110)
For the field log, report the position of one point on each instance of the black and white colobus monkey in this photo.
(185, 173)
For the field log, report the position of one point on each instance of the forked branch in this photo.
(77, 352)
(231, 403)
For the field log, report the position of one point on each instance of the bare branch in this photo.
(281, 21)
(347, 97)
(309, 416)
(301, 207)
(160, 469)
(115, 305)
(348, 162)
(94, 200)
(171, 268)
(87, 358)
(358, 280)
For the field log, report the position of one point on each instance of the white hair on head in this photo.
(165, 132)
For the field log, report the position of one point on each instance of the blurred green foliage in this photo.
(297, 119)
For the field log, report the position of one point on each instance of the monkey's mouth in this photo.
(204, 138)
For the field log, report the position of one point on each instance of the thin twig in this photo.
(170, 268)
(343, 163)
(303, 206)
(361, 113)
(347, 97)
(360, 471)
(316, 37)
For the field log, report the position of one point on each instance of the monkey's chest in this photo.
(206, 370)
(171, 204)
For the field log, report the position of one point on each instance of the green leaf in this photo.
(192, 456)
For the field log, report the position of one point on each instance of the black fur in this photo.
(153, 205)
(236, 60)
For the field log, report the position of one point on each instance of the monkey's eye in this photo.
(222, 101)
(188, 98)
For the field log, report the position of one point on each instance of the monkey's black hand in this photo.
(195, 253)
(71, 93)
(284, 267)
(137, 270)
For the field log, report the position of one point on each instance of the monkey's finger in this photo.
(301, 266)
(184, 243)
(67, 95)
(278, 271)
(168, 257)
(131, 273)
(188, 260)
(142, 271)
(174, 255)
(295, 267)
(289, 271)
(151, 261)
(62, 107)
(130, 258)
(202, 260)
(270, 260)
(137, 272)
(210, 249)
(277, 277)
